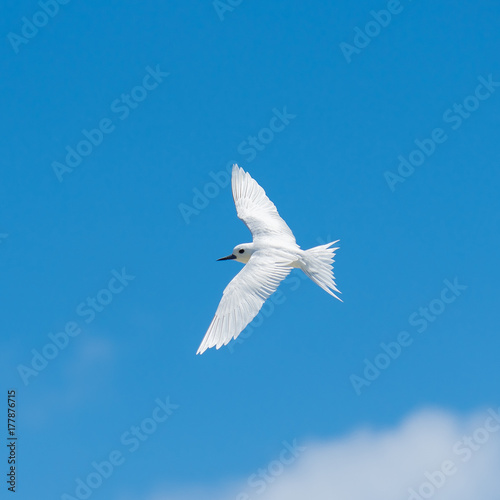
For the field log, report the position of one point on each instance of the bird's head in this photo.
(241, 253)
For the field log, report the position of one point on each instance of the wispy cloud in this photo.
(431, 454)
(80, 375)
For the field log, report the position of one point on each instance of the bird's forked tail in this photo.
(317, 265)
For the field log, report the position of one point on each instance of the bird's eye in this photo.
(241, 251)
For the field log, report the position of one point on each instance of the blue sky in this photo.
(173, 93)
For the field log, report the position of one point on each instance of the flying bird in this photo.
(268, 260)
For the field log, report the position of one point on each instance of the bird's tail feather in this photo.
(317, 265)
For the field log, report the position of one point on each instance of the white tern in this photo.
(269, 259)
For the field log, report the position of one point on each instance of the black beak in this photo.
(229, 257)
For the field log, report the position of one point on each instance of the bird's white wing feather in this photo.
(256, 210)
(243, 298)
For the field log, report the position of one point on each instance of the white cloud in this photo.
(383, 465)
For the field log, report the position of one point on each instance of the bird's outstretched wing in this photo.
(256, 210)
(244, 296)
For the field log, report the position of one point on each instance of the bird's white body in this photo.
(268, 260)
